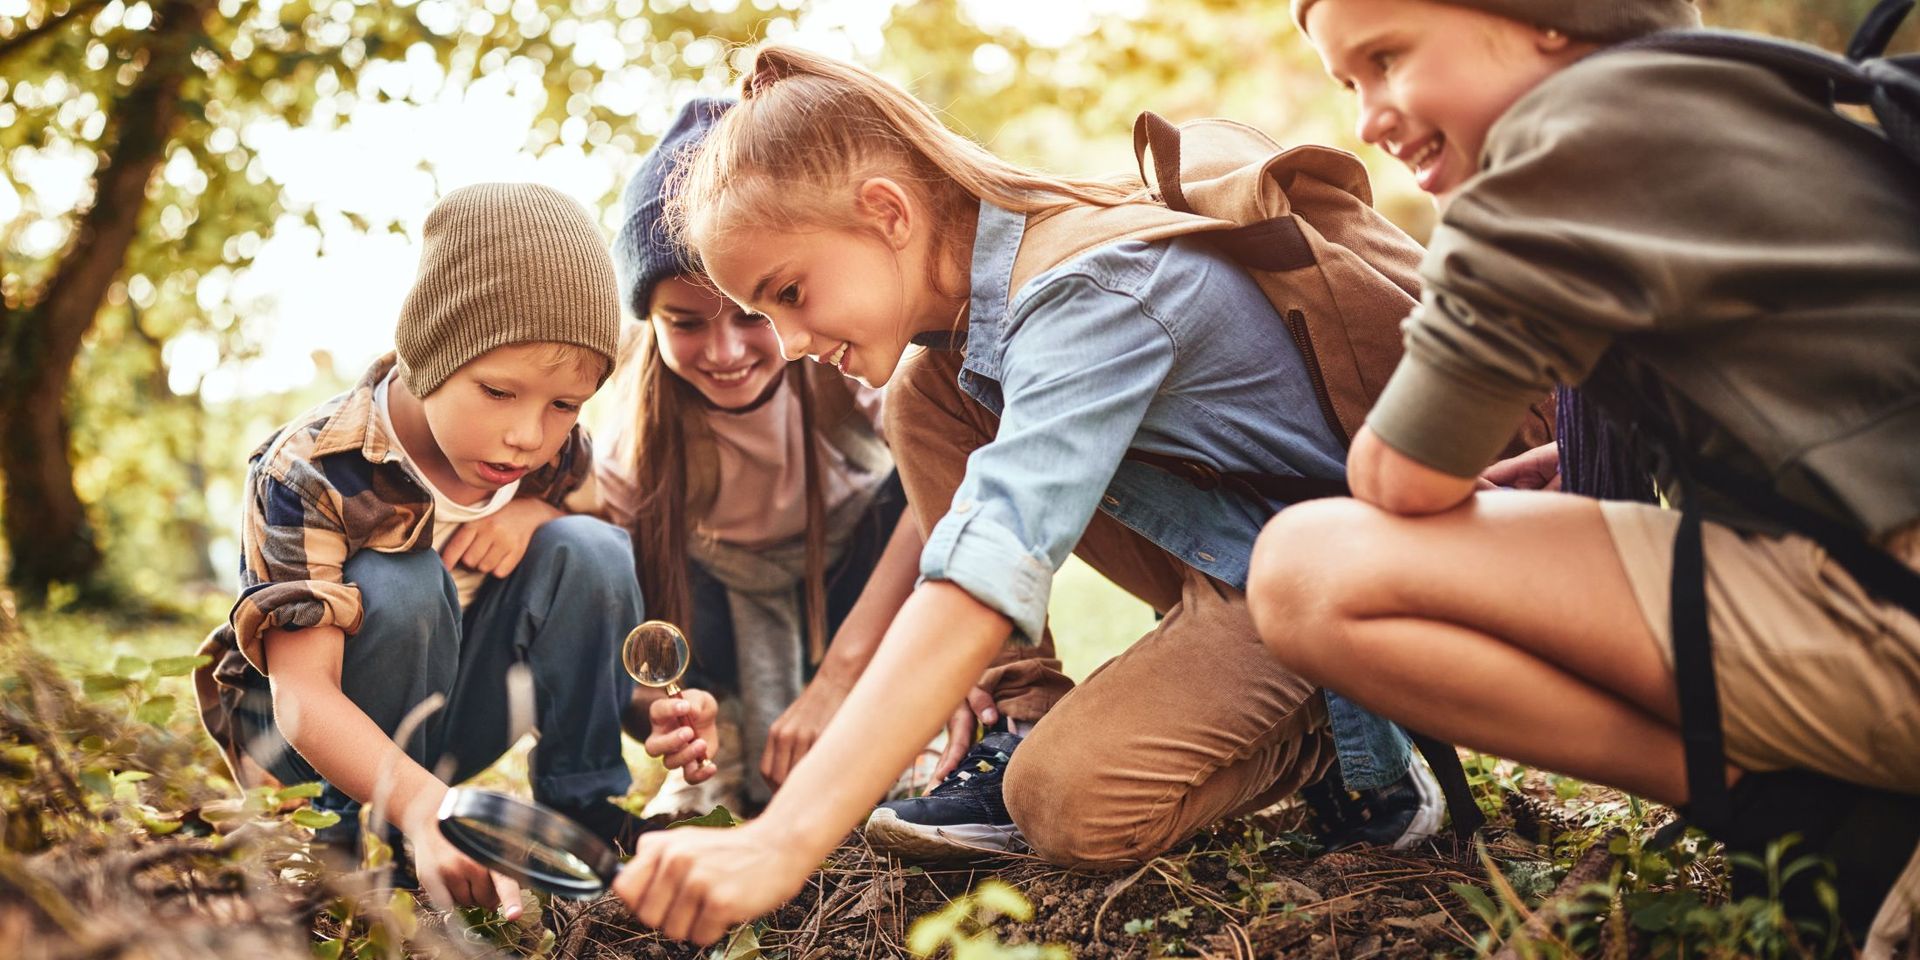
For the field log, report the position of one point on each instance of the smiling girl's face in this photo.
(1432, 78)
(730, 355)
(850, 297)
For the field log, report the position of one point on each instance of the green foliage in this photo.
(965, 927)
(719, 816)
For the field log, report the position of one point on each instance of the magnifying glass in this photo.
(540, 847)
(536, 846)
(656, 655)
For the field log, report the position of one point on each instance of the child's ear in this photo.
(885, 206)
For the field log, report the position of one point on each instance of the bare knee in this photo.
(1307, 579)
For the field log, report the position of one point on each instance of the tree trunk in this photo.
(48, 535)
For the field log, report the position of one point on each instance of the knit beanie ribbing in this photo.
(1599, 21)
(505, 263)
(644, 252)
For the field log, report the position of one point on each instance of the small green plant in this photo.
(1166, 934)
(965, 927)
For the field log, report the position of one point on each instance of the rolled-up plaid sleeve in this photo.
(295, 548)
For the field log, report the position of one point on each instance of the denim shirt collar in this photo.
(996, 241)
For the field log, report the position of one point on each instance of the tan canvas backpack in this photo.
(1301, 222)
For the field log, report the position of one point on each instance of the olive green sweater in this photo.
(1694, 226)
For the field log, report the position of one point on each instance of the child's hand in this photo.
(978, 706)
(452, 878)
(685, 733)
(495, 543)
(1537, 469)
(795, 730)
(696, 882)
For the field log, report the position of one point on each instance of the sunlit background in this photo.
(298, 145)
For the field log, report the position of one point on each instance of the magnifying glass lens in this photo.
(528, 842)
(656, 654)
(508, 846)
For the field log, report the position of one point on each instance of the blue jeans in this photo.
(562, 612)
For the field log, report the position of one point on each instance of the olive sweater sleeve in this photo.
(1628, 192)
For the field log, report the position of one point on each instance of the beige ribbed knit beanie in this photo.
(1600, 21)
(505, 263)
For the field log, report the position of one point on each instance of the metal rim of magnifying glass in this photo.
(536, 824)
(681, 646)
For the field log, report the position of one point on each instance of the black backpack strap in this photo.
(1708, 805)
(1444, 760)
(1888, 85)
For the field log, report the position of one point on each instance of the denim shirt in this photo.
(1165, 347)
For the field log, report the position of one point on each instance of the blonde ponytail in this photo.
(810, 129)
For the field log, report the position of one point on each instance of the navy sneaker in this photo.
(1398, 816)
(963, 817)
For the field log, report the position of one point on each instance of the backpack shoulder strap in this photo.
(1890, 86)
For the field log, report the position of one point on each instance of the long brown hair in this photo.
(810, 129)
(674, 469)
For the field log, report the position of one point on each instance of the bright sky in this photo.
(337, 291)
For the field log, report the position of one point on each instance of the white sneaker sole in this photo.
(887, 833)
(1433, 807)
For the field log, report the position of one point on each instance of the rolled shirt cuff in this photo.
(988, 561)
(1444, 420)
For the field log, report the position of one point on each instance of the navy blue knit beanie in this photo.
(643, 253)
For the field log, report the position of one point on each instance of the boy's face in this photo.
(731, 356)
(506, 412)
(1432, 77)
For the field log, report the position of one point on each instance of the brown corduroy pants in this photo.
(1194, 722)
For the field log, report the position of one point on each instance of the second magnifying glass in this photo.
(656, 655)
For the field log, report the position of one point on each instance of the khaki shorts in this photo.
(1813, 671)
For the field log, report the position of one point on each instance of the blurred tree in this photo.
(158, 103)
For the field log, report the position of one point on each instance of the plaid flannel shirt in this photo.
(321, 489)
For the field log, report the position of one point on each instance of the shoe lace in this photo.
(983, 765)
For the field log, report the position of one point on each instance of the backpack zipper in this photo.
(1297, 326)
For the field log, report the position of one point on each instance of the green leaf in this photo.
(1477, 900)
(328, 949)
(1003, 899)
(129, 667)
(156, 711)
(100, 683)
(314, 819)
(719, 816)
(300, 791)
(179, 666)
(1137, 927)
(743, 944)
(934, 929)
(404, 910)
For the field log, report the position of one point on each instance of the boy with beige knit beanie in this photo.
(405, 542)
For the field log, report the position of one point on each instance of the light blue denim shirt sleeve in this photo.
(1082, 363)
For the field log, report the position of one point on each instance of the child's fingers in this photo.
(457, 546)
(959, 740)
(664, 742)
(700, 771)
(687, 756)
(509, 562)
(671, 712)
(509, 893)
(983, 706)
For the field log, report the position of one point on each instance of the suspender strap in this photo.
(1708, 805)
